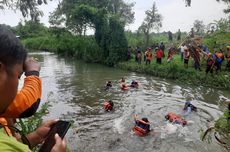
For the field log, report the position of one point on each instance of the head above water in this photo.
(111, 102)
(145, 119)
(187, 102)
(12, 58)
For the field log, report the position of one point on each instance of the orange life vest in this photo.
(139, 131)
(107, 106)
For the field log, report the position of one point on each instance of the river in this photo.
(76, 90)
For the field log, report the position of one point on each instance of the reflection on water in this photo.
(76, 92)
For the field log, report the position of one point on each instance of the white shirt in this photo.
(182, 48)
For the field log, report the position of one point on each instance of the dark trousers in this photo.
(209, 68)
(218, 66)
(139, 61)
(148, 61)
(228, 66)
(197, 65)
(159, 60)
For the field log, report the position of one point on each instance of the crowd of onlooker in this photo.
(213, 60)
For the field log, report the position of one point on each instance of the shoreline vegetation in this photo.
(114, 52)
(87, 50)
(176, 71)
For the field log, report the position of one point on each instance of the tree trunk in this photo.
(147, 39)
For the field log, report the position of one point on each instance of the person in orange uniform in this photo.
(149, 56)
(27, 99)
(142, 126)
(12, 59)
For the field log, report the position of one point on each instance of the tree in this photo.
(67, 13)
(27, 7)
(151, 21)
(170, 36)
(109, 31)
(198, 27)
(227, 10)
(179, 35)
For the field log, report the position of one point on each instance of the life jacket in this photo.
(124, 86)
(107, 106)
(139, 131)
(172, 117)
(141, 128)
(219, 57)
(149, 55)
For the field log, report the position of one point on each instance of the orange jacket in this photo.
(27, 99)
(25, 103)
(149, 55)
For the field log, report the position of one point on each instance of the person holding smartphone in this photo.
(12, 59)
(27, 100)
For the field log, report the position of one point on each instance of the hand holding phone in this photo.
(61, 127)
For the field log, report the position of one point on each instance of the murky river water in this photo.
(76, 89)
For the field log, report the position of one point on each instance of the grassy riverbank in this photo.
(177, 72)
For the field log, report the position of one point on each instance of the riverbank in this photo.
(177, 72)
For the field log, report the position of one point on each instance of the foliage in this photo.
(220, 130)
(67, 12)
(227, 10)
(27, 7)
(137, 39)
(151, 21)
(118, 42)
(217, 40)
(28, 125)
(30, 29)
(199, 27)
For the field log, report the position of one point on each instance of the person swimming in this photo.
(124, 86)
(175, 118)
(108, 85)
(122, 80)
(134, 84)
(108, 105)
(188, 108)
(142, 126)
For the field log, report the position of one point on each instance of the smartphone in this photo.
(61, 127)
